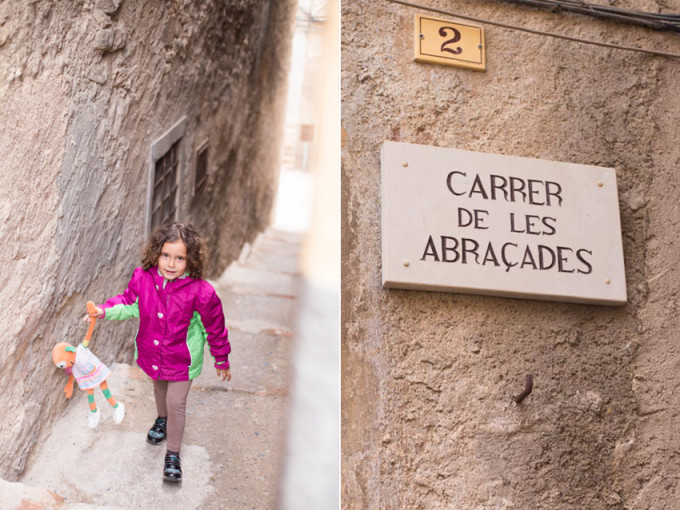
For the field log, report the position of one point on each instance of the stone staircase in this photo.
(234, 436)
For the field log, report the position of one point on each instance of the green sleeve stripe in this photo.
(196, 336)
(122, 312)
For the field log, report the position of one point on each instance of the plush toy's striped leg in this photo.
(107, 393)
(90, 399)
(94, 417)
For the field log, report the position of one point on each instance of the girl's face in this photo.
(173, 260)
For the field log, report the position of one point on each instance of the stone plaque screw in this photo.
(404, 164)
(479, 46)
(607, 281)
(406, 263)
(600, 184)
(422, 36)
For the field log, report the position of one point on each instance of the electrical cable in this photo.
(648, 19)
(536, 32)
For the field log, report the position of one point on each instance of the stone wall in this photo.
(428, 377)
(86, 87)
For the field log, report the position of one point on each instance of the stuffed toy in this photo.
(86, 369)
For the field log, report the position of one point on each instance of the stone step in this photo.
(259, 361)
(286, 264)
(249, 280)
(16, 495)
(113, 465)
(277, 242)
(243, 435)
(251, 313)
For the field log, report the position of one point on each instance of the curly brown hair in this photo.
(197, 252)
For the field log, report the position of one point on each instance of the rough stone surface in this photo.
(428, 378)
(85, 88)
(13, 494)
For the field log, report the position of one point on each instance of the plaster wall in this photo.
(86, 87)
(428, 419)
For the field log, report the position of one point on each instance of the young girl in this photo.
(178, 312)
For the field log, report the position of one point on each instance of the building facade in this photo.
(428, 378)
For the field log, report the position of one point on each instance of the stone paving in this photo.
(235, 433)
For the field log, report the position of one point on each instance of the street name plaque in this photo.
(471, 222)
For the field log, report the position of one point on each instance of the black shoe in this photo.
(172, 472)
(158, 432)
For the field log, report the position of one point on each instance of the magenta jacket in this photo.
(174, 324)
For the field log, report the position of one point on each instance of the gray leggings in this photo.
(171, 401)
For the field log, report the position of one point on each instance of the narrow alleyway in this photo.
(234, 438)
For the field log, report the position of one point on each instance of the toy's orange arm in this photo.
(68, 389)
(91, 310)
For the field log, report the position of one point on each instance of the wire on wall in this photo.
(647, 19)
(536, 32)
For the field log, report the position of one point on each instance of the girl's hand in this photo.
(98, 314)
(224, 374)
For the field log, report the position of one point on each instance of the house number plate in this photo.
(440, 41)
